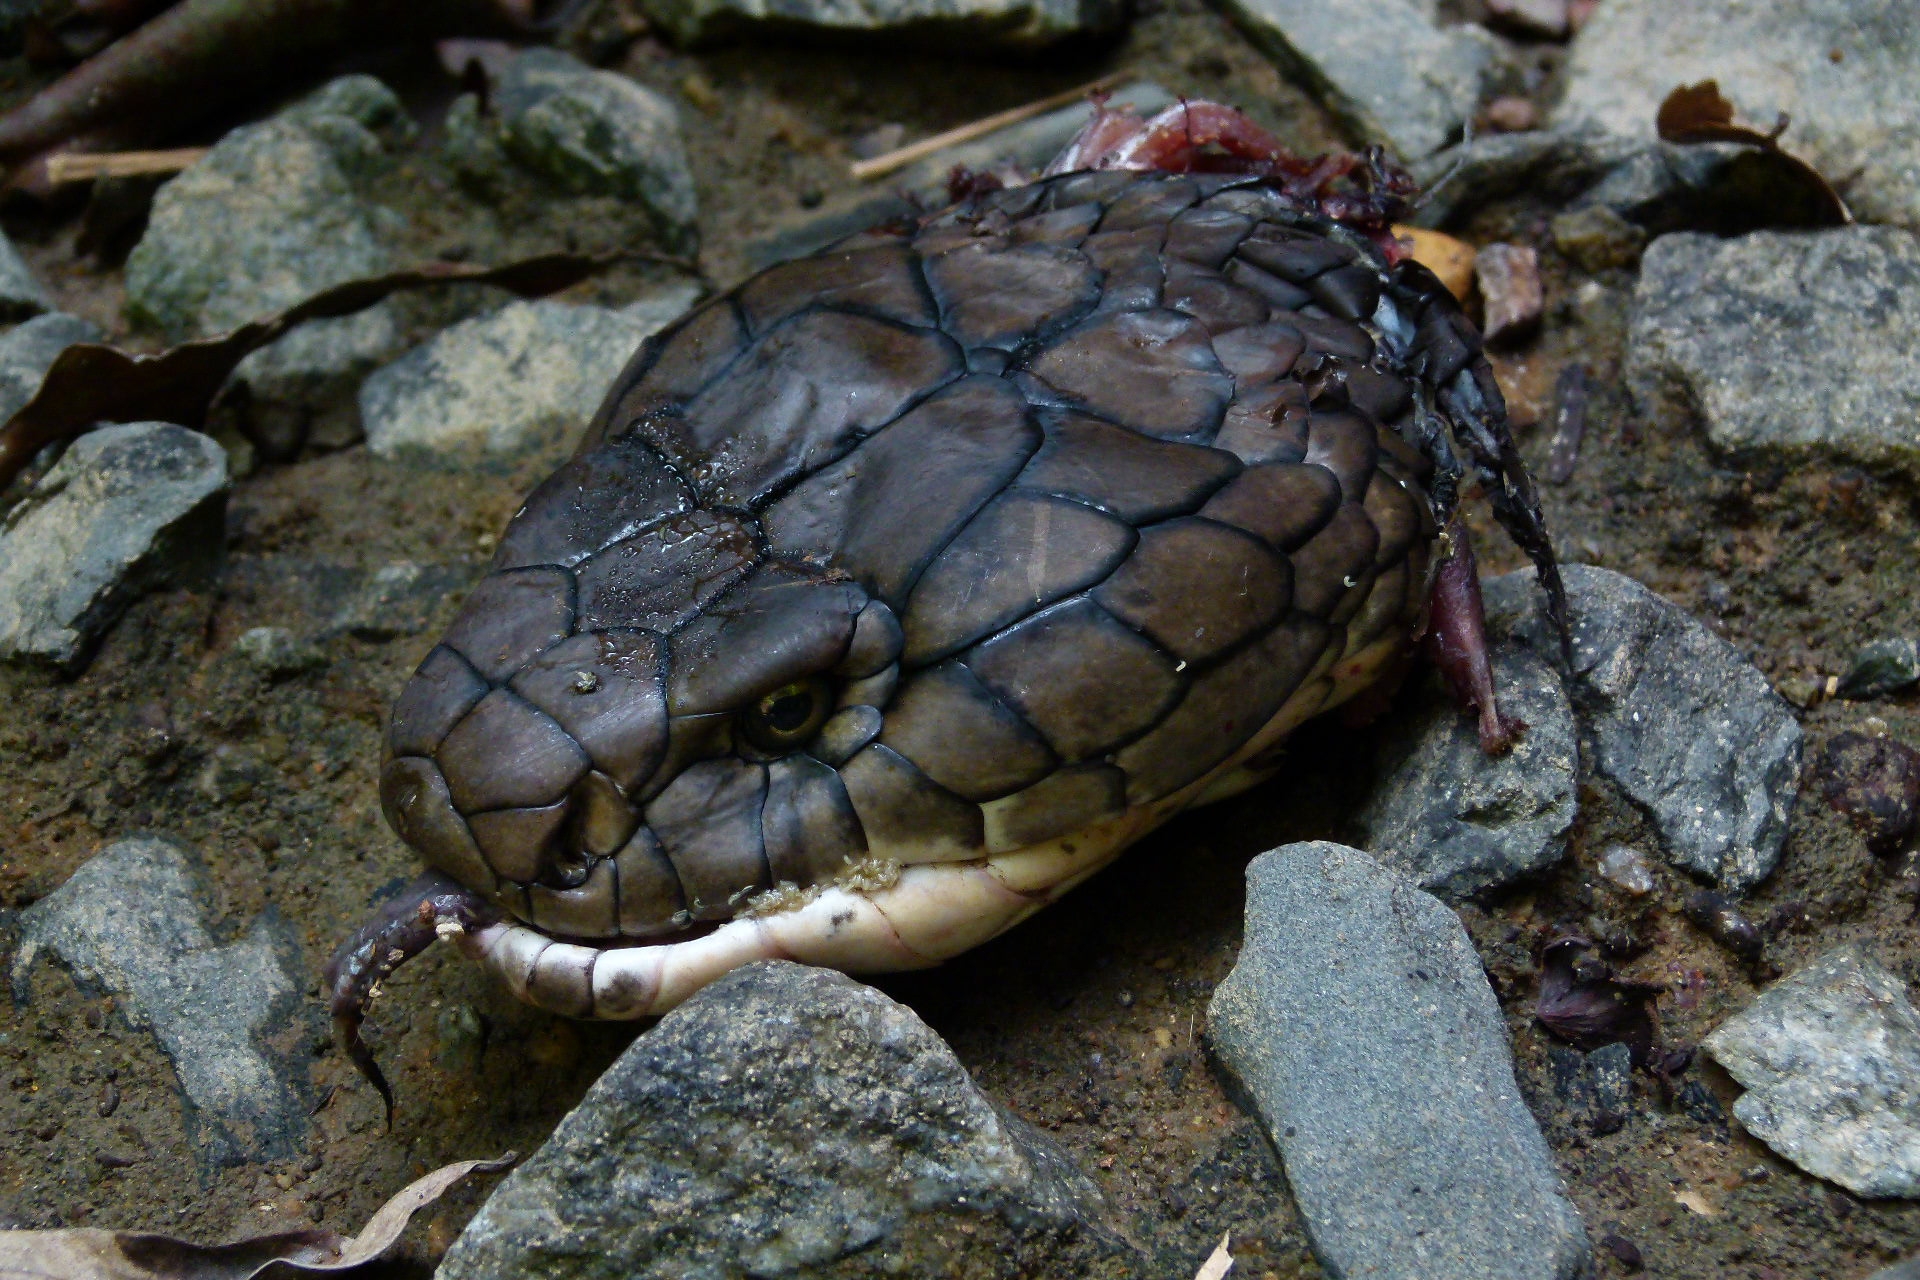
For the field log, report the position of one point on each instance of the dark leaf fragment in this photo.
(91, 382)
(1584, 1003)
(1698, 113)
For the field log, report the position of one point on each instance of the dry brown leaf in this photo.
(92, 1254)
(1695, 113)
(1218, 1263)
(91, 382)
(1448, 258)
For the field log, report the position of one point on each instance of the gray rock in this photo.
(789, 1121)
(1387, 68)
(399, 599)
(1677, 719)
(1597, 237)
(587, 132)
(1908, 1270)
(1830, 1058)
(132, 922)
(127, 509)
(1555, 164)
(28, 350)
(1460, 822)
(271, 216)
(1883, 667)
(21, 293)
(519, 383)
(1359, 1021)
(940, 24)
(1854, 113)
(1785, 345)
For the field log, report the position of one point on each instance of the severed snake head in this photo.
(895, 591)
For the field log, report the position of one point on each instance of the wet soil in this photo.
(1089, 1020)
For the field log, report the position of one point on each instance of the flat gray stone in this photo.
(1360, 1022)
(788, 1121)
(587, 133)
(132, 922)
(1830, 1058)
(1687, 728)
(1387, 68)
(1461, 822)
(522, 382)
(1852, 114)
(272, 215)
(943, 24)
(28, 350)
(21, 293)
(1785, 345)
(127, 509)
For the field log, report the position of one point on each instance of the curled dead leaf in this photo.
(1696, 113)
(93, 1254)
(1583, 1002)
(91, 382)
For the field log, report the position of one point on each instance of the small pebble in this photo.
(1596, 238)
(1625, 867)
(1875, 781)
(1511, 114)
(1725, 923)
(1883, 667)
(1623, 1250)
(1509, 278)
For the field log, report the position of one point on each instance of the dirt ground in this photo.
(1089, 1020)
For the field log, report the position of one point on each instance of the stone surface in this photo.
(942, 24)
(1883, 667)
(1509, 279)
(1359, 1021)
(28, 350)
(402, 598)
(21, 293)
(1460, 822)
(1687, 728)
(132, 922)
(790, 1121)
(1842, 69)
(272, 215)
(1387, 68)
(1596, 1088)
(276, 652)
(1785, 345)
(1830, 1058)
(586, 132)
(522, 382)
(127, 509)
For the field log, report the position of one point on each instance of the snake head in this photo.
(632, 726)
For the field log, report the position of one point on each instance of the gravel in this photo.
(1843, 70)
(272, 215)
(1460, 822)
(1360, 1022)
(1688, 729)
(942, 24)
(1785, 345)
(519, 383)
(127, 509)
(789, 1121)
(132, 922)
(28, 350)
(1830, 1058)
(1386, 68)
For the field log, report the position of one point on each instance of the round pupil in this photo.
(789, 710)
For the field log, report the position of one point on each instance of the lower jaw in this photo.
(927, 914)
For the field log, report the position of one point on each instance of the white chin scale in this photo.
(931, 912)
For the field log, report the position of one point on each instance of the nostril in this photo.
(603, 820)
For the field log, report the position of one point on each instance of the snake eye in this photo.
(789, 716)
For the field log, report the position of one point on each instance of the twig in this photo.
(73, 167)
(882, 165)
